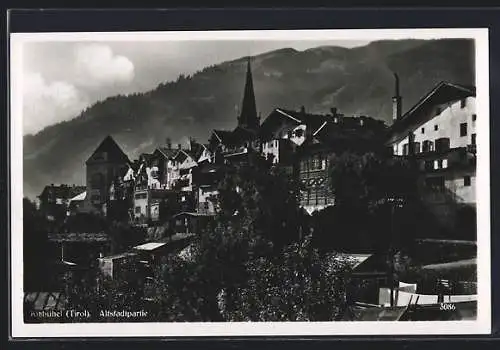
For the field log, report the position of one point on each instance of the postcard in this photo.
(250, 183)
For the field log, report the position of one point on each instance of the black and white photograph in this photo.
(321, 182)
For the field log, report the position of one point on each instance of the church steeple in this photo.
(248, 117)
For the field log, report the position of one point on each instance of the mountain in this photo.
(356, 81)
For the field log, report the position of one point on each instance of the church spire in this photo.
(248, 116)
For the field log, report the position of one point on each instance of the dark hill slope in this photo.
(357, 81)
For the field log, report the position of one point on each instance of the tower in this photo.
(103, 167)
(396, 100)
(248, 118)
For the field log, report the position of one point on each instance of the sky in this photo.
(60, 79)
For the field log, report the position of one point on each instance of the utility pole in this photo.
(391, 253)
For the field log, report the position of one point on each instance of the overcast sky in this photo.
(62, 78)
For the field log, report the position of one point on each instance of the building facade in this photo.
(104, 166)
(439, 134)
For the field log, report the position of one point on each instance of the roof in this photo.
(114, 152)
(150, 246)
(118, 256)
(184, 153)
(322, 126)
(167, 152)
(452, 265)
(79, 197)
(192, 214)
(63, 191)
(46, 300)
(196, 149)
(443, 92)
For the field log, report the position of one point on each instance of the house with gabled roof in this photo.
(107, 163)
(439, 134)
(234, 145)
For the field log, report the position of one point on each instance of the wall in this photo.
(314, 177)
(97, 195)
(204, 202)
(448, 122)
(141, 204)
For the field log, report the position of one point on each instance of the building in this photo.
(55, 200)
(439, 134)
(113, 265)
(235, 145)
(104, 166)
(206, 178)
(76, 204)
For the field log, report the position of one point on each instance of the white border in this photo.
(481, 326)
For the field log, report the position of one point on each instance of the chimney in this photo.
(179, 146)
(303, 110)
(396, 100)
(169, 143)
(333, 110)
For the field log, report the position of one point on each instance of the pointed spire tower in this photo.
(248, 118)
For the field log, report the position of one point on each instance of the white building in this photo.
(439, 133)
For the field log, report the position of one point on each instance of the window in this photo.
(467, 181)
(474, 116)
(427, 146)
(299, 133)
(473, 139)
(137, 210)
(422, 130)
(428, 165)
(416, 147)
(444, 163)
(436, 127)
(405, 149)
(463, 129)
(442, 144)
(463, 103)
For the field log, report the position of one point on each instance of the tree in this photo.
(35, 240)
(299, 285)
(124, 236)
(93, 291)
(373, 194)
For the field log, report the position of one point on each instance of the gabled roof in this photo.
(443, 92)
(167, 152)
(312, 121)
(63, 191)
(184, 153)
(222, 135)
(114, 152)
(196, 150)
(235, 137)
